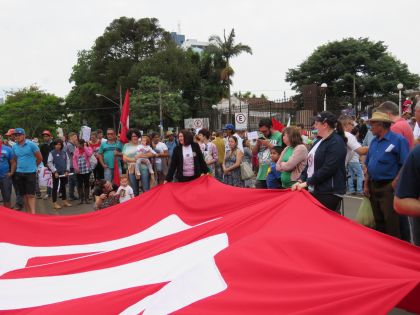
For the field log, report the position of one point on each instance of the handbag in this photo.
(365, 214)
(93, 161)
(246, 171)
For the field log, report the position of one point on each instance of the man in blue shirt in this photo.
(27, 157)
(171, 143)
(6, 162)
(407, 195)
(386, 155)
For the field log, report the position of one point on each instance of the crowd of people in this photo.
(336, 156)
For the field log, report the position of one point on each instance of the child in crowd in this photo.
(273, 176)
(125, 191)
(144, 148)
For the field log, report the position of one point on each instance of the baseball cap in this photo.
(168, 133)
(229, 127)
(10, 132)
(19, 131)
(46, 132)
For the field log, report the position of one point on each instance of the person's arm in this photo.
(237, 164)
(50, 163)
(12, 161)
(173, 166)
(362, 150)
(67, 163)
(407, 206)
(38, 157)
(299, 154)
(88, 151)
(215, 153)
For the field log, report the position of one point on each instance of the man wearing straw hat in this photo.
(385, 157)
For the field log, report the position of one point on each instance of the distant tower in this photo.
(179, 27)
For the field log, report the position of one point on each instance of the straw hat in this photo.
(379, 116)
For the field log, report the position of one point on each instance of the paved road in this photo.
(351, 205)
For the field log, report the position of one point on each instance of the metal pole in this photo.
(399, 102)
(160, 111)
(325, 101)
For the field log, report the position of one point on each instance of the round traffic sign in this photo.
(240, 118)
(198, 123)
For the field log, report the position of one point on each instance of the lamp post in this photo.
(399, 87)
(216, 123)
(324, 87)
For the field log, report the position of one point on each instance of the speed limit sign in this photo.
(241, 121)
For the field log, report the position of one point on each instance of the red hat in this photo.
(10, 132)
(46, 132)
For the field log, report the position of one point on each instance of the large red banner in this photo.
(204, 248)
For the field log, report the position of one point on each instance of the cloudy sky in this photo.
(40, 39)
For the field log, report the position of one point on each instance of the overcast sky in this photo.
(40, 39)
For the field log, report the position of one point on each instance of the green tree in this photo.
(32, 109)
(227, 49)
(106, 66)
(145, 104)
(352, 66)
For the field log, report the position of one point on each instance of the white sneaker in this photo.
(46, 197)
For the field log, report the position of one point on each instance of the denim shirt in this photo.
(386, 156)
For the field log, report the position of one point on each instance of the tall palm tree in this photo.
(227, 49)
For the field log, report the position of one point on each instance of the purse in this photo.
(246, 171)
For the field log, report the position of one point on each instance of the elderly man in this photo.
(385, 157)
(400, 125)
(27, 157)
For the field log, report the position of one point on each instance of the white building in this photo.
(195, 45)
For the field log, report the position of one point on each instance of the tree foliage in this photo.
(145, 103)
(372, 68)
(32, 109)
(129, 53)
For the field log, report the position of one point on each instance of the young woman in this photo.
(231, 164)
(81, 164)
(187, 162)
(325, 173)
(209, 150)
(59, 164)
(293, 158)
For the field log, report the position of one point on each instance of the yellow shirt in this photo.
(220, 144)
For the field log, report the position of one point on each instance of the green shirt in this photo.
(285, 176)
(107, 150)
(264, 155)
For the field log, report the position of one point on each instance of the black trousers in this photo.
(331, 201)
(63, 182)
(83, 185)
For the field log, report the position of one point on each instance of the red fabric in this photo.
(116, 177)
(125, 113)
(286, 253)
(277, 125)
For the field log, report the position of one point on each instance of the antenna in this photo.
(179, 27)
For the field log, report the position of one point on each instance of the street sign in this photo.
(241, 121)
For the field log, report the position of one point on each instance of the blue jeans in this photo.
(355, 169)
(109, 174)
(145, 178)
(134, 183)
(72, 185)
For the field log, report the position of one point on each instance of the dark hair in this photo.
(131, 132)
(277, 148)
(99, 131)
(300, 125)
(154, 134)
(205, 132)
(265, 122)
(58, 141)
(294, 136)
(331, 120)
(340, 131)
(188, 136)
(389, 107)
(82, 141)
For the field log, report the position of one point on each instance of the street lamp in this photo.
(399, 87)
(114, 102)
(324, 87)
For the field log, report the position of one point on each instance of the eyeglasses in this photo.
(110, 134)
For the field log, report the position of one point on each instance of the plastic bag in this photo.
(365, 214)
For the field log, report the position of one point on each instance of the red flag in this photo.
(116, 177)
(248, 251)
(125, 113)
(277, 125)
